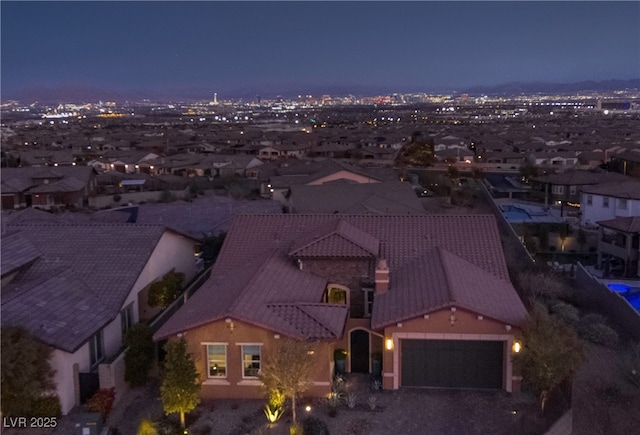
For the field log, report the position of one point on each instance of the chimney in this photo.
(382, 276)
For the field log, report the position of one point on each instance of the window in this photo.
(251, 360)
(368, 301)
(96, 348)
(589, 199)
(573, 190)
(605, 202)
(557, 190)
(622, 203)
(217, 360)
(336, 294)
(126, 318)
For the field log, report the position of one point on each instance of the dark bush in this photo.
(138, 358)
(599, 333)
(567, 312)
(314, 426)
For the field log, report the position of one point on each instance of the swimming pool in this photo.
(515, 214)
(631, 294)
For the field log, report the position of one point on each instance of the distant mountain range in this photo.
(80, 94)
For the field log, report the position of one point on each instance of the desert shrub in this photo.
(540, 284)
(46, 406)
(351, 400)
(598, 333)
(147, 427)
(567, 312)
(102, 402)
(593, 318)
(314, 426)
(372, 401)
(295, 429)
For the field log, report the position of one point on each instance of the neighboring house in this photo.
(369, 198)
(610, 200)
(627, 163)
(557, 158)
(276, 183)
(565, 187)
(276, 151)
(415, 300)
(79, 287)
(47, 186)
(619, 242)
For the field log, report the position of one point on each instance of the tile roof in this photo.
(581, 178)
(630, 224)
(91, 264)
(628, 189)
(269, 292)
(255, 279)
(23, 252)
(336, 239)
(368, 198)
(439, 279)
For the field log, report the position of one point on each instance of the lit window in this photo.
(336, 295)
(217, 360)
(251, 360)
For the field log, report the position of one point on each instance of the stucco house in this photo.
(619, 247)
(415, 300)
(79, 287)
(47, 186)
(609, 200)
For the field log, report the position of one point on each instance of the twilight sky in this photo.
(273, 47)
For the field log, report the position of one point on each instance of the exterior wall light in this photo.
(517, 346)
(388, 344)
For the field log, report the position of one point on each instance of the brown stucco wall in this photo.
(234, 386)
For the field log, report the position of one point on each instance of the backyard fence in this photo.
(596, 295)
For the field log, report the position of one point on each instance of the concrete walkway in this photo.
(564, 426)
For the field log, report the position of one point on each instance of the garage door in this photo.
(452, 363)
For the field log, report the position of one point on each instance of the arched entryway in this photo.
(360, 351)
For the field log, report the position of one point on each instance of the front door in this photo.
(359, 351)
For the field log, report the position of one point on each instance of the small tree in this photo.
(138, 358)
(162, 293)
(180, 384)
(551, 353)
(288, 369)
(26, 375)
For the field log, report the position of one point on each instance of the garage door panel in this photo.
(452, 363)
